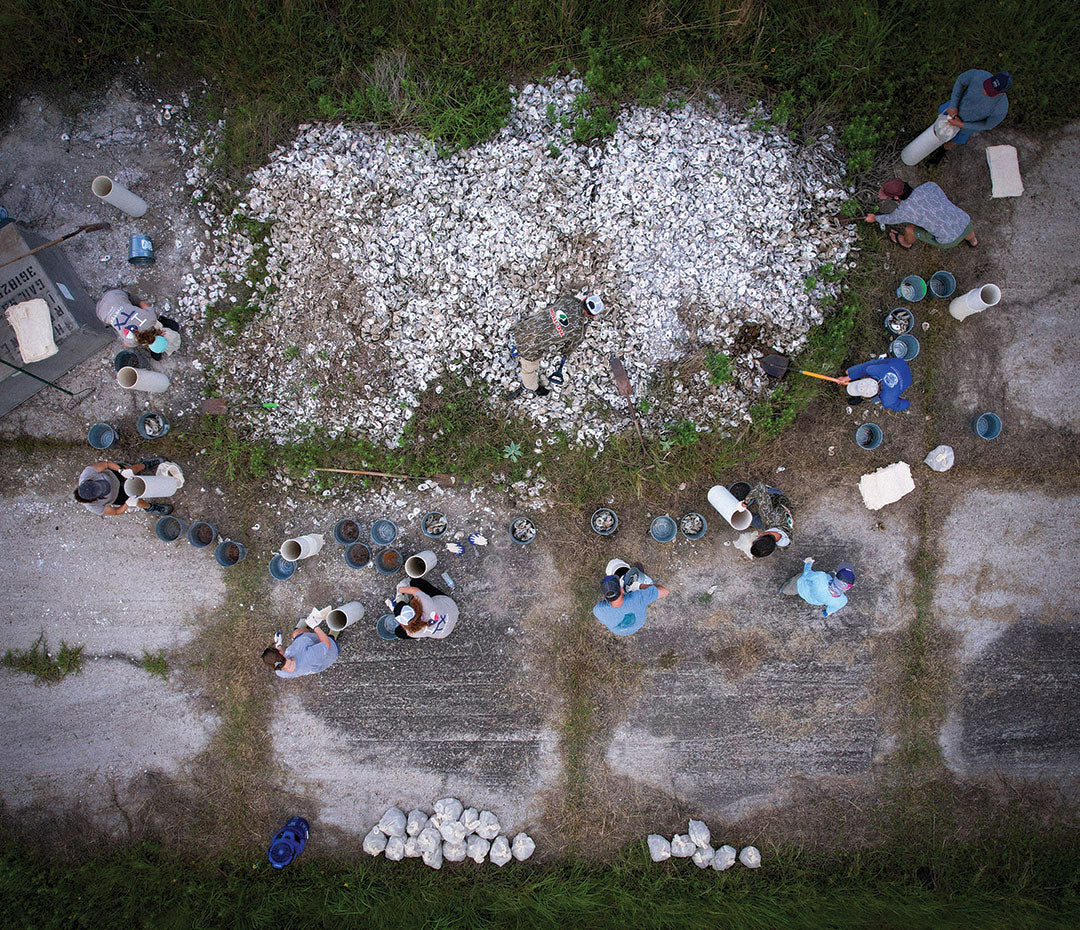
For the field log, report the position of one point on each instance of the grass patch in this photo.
(155, 664)
(42, 664)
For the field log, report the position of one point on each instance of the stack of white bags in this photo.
(452, 833)
(696, 844)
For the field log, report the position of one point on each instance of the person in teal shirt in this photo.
(822, 589)
(623, 612)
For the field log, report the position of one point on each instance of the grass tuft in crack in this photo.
(42, 664)
(155, 664)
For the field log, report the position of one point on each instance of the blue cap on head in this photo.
(845, 572)
(999, 83)
(159, 345)
(94, 489)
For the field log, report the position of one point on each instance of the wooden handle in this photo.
(814, 374)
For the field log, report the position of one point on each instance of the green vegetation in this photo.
(718, 365)
(155, 664)
(42, 664)
(442, 67)
(248, 296)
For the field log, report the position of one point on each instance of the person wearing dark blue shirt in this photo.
(893, 377)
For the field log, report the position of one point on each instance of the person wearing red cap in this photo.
(978, 103)
(924, 213)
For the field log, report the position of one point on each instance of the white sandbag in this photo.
(1005, 180)
(886, 485)
(33, 329)
(395, 848)
(699, 834)
(723, 858)
(940, 458)
(393, 822)
(412, 847)
(476, 848)
(447, 809)
(471, 818)
(428, 839)
(522, 847)
(374, 842)
(659, 848)
(489, 825)
(433, 859)
(415, 823)
(750, 857)
(703, 857)
(500, 851)
(682, 847)
(453, 852)
(453, 831)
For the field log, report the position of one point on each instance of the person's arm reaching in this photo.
(323, 638)
(857, 371)
(960, 85)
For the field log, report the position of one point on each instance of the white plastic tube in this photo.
(108, 190)
(302, 547)
(345, 615)
(150, 486)
(142, 379)
(938, 133)
(416, 566)
(732, 510)
(974, 301)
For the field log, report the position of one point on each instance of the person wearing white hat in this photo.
(883, 379)
(554, 331)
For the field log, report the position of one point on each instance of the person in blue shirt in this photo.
(978, 103)
(623, 612)
(310, 651)
(892, 376)
(822, 589)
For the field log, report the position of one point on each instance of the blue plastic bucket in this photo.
(899, 321)
(663, 529)
(389, 562)
(102, 436)
(385, 626)
(433, 517)
(357, 555)
(126, 358)
(140, 250)
(699, 533)
(280, 568)
(383, 532)
(905, 347)
(522, 530)
(202, 529)
(868, 436)
(740, 490)
(604, 513)
(986, 426)
(912, 289)
(152, 425)
(229, 552)
(346, 531)
(169, 529)
(942, 284)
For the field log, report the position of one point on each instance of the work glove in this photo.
(277, 639)
(455, 547)
(477, 540)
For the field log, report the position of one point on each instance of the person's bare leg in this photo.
(908, 238)
(949, 145)
(971, 239)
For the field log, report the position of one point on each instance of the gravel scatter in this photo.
(371, 268)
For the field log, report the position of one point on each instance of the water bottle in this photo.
(288, 843)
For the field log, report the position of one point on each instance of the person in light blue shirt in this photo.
(623, 612)
(978, 103)
(822, 589)
(310, 651)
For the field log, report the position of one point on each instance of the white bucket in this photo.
(345, 615)
(732, 510)
(416, 566)
(110, 192)
(142, 379)
(302, 547)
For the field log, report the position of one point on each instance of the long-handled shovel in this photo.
(776, 366)
(443, 481)
(92, 227)
(622, 382)
(36, 378)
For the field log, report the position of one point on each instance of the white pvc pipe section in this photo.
(345, 615)
(416, 566)
(142, 379)
(974, 301)
(929, 139)
(150, 486)
(108, 190)
(732, 510)
(302, 547)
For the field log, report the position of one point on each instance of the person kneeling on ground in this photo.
(773, 520)
(883, 380)
(623, 609)
(101, 489)
(423, 610)
(137, 324)
(310, 651)
(556, 330)
(926, 214)
(820, 588)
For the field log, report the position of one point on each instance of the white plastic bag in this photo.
(699, 834)
(453, 852)
(447, 809)
(395, 848)
(453, 831)
(703, 857)
(434, 858)
(412, 848)
(428, 839)
(393, 822)
(522, 847)
(489, 825)
(750, 857)
(471, 818)
(659, 848)
(682, 847)
(723, 858)
(940, 458)
(476, 848)
(416, 822)
(374, 842)
(500, 851)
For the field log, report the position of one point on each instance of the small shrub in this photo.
(684, 433)
(718, 364)
(39, 662)
(155, 665)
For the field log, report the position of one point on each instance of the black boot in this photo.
(160, 508)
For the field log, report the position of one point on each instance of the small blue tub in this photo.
(152, 425)
(605, 515)
(868, 436)
(201, 534)
(912, 289)
(905, 347)
(126, 358)
(169, 528)
(389, 562)
(687, 518)
(102, 436)
(385, 626)
(229, 552)
(346, 531)
(431, 522)
(663, 529)
(140, 250)
(986, 426)
(383, 532)
(942, 284)
(281, 569)
(357, 555)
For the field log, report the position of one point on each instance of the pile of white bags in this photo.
(696, 844)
